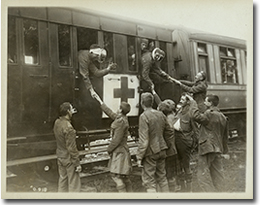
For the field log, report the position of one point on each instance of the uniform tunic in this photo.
(87, 67)
(212, 143)
(154, 134)
(151, 68)
(67, 155)
(120, 161)
(199, 90)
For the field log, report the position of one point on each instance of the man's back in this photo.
(152, 125)
(63, 132)
(213, 133)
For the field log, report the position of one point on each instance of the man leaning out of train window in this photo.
(120, 165)
(198, 88)
(87, 60)
(150, 67)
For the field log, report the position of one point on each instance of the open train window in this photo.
(203, 59)
(12, 51)
(64, 39)
(131, 48)
(31, 42)
(108, 45)
(228, 65)
(86, 37)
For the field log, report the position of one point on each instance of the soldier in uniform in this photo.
(186, 131)
(120, 165)
(150, 67)
(87, 65)
(154, 133)
(212, 144)
(197, 88)
(168, 108)
(67, 153)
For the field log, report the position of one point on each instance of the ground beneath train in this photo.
(235, 173)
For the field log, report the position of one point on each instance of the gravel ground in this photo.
(235, 169)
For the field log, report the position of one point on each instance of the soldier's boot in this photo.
(128, 185)
(188, 186)
(121, 188)
(189, 182)
(182, 186)
(165, 188)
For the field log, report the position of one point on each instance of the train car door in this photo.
(62, 65)
(34, 72)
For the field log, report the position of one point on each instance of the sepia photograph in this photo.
(127, 99)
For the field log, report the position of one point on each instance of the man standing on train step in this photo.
(67, 152)
(150, 67)
(212, 144)
(153, 132)
(197, 88)
(87, 60)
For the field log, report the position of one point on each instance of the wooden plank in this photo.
(93, 150)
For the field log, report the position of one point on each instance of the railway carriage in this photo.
(43, 45)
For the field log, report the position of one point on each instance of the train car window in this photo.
(202, 48)
(120, 45)
(203, 59)
(31, 42)
(228, 65)
(108, 45)
(164, 62)
(86, 37)
(131, 54)
(64, 37)
(12, 51)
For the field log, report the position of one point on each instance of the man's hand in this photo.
(225, 156)
(93, 93)
(152, 89)
(139, 163)
(112, 66)
(96, 97)
(78, 168)
(174, 80)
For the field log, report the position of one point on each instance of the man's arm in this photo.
(225, 138)
(143, 137)
(108, 111)
(70, 137)
(146, 64)
(194, 89)
(118, 135)
(199, 117)
(169, 135)
(188, 83)
(161, 73)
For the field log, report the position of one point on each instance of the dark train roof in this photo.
(112, 23)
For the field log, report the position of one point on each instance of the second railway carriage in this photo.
(43, 45)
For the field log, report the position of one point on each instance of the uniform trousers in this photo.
(154, 172)
(210, 172)
(69, 180)
(184, 153)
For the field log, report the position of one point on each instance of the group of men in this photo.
(167, 134)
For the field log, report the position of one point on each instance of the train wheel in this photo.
(48, 170)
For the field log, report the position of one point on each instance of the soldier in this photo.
(67, 153)
(212, 144)
(87, 65)
(154, 133)
(168, 108)
(186, 131)
(150, 67)
(120, 165)
(197, 88)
